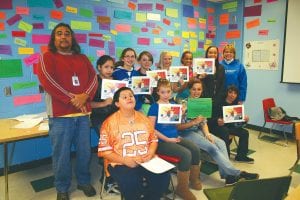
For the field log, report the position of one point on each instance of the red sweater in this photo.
(55, 73)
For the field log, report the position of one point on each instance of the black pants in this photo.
(223, 132)
(132, 185)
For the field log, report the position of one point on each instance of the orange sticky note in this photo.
(177, 40)
(233, 34)
(103, 19)
(253, 23)
(56, 14)
(2, 15)
(192, 21)
(2, 26)
(155, 31)
(210, 10)
(29, 99)
(123, 28)
(224, 19)
(131, 5)
(22, 10)
(195, 2)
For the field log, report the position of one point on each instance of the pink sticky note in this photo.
(40, 39)
(123, 28)
(14, 19)
(111, 48)
(22, 10)
(23, 100)
(159, 6)
(144, 29)
(100, 53)
(33, 58)
(81, 37)
(143, 41)
(96, 43)
(263, 32)
(37, 25)
(58, 3)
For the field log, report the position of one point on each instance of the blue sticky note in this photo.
(188, 11)
(40, 3)
(120, 14)
(123, 39)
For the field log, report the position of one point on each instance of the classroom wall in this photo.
(101, 27)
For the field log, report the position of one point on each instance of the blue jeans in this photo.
(130, 181)
(217, 151)
(65, 132)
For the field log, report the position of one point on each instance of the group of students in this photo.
(127, 136)
(184, 140)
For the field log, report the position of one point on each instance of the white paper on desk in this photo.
(44, 126)
(27, 117)
(29, 123)
(157, 165)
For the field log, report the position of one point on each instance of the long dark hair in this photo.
(217, 59)
(75, 46)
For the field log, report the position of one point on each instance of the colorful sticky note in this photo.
(24, 85)
(18, 33)
(20, 42)
(153, 16)
(172, 12)
(210, 10)
(71, 9)
(2, 26)
(233, 34)
(145, 6)
(34, 58)
(111, 48)
(100, 11)
(123, 28)
(185, 34)
(131, 5)
(188, 11)
(5, 49)
(6, 4)
(81, 37)
(40, 38)
(29, 99)
(56, 14)
(51, 25)
(143, 41)
(22, 10)
(3, 35)
(24, 50)
(157, 40)
(2, 15)
(253, 23)
(140, 17)
(252, 11)
(103, 19)
(263, 32)
(122, 38)
(135, 29)
(159, 6)
(224, 19)
(96, 43)
(10, 68)
(14, 19)
(81, 25)
(38, 25)
(232, 26)
(43, 48)
(58, 3)
(166, 21)
(25, 26)
(85, 12)
(229, 5)
(38, 17)
(120, 14)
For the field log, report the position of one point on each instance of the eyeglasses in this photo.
(60, 34)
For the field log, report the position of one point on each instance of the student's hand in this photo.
(210, 138)
(79, 100)
(130, 162)
(83, 109)
(108, 101)
(198, 120)
(147, 157)
(174, 140)
(220, 122)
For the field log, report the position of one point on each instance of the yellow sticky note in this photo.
(106, 37)
(71, 9)
(171, 12)
(174, 53)
(170, 33)
(25, 26)
(157, 40)
(141, 17)
(201, 35)
(20, 42)
(202, 20)
(193, 45)
(177, 25)
(185, 34)
(114, 32)
(193, 34)
(81, 25)
(208, 42)
(24, 50)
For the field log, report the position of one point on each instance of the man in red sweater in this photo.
(70, 83)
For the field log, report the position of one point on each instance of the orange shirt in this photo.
(126, 139)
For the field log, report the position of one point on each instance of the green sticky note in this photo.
(23, 85)
(199, 107)
(106, 37)
(51, 25)
(3, 36)
(25, 26)
(81, 25)
(120, 14)
(271, 20)
(229, 5)
(86, 12)
(11, 68)
(177, 32)
(20, 42)
(135, 29)
(91, 58)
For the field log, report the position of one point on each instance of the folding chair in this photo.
(259, 189)
(297, 135)
(268, 103)
(174, 160)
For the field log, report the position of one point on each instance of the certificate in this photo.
(140, 85)
(155, 75)
(199, 107)
(169, 113)
(233, 113)
(178, 73)
(109, 87)
(204, 65)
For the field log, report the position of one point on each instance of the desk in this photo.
(9, 135)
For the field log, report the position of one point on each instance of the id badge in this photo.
(75, 81)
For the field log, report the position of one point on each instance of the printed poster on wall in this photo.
(261, 54)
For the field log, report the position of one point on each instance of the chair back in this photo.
(267, 103)
(262, 189)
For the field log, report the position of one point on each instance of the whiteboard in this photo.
(291, 59)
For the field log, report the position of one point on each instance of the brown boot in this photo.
(182, 188)
(195, 177)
